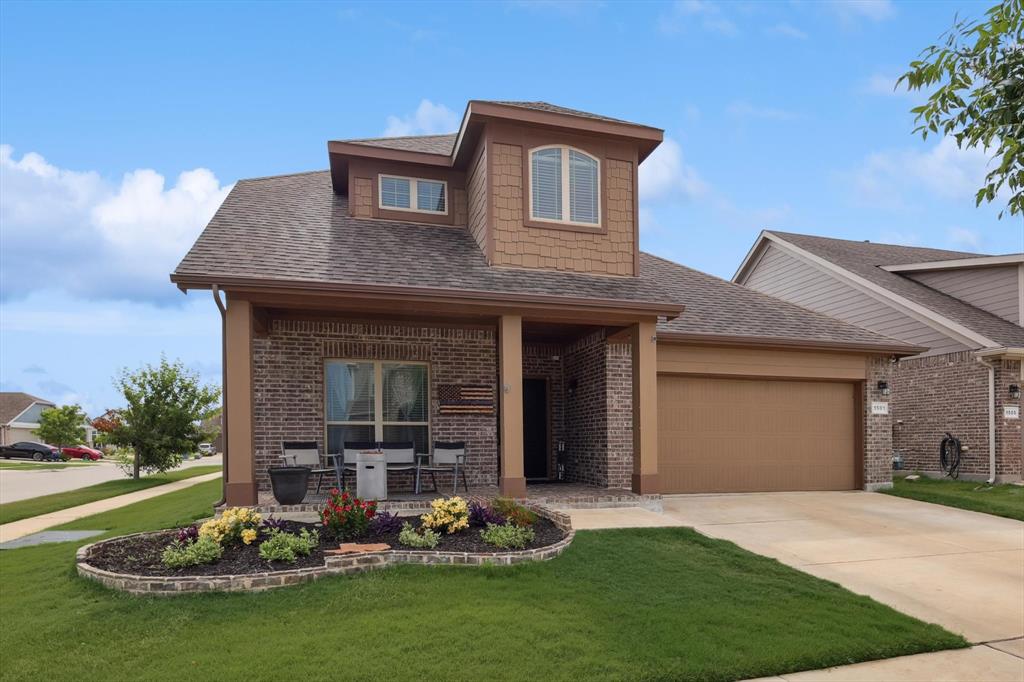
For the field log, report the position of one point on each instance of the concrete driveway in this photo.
(960, 569)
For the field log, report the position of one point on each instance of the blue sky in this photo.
(124, 125)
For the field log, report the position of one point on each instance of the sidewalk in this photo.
(17, 529)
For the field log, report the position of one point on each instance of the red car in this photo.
(82, 452)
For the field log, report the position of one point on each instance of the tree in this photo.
(980, 102)
(165, 406)
(62, 426)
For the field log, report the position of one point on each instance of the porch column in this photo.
(241, 481)
(645, 408)
(510, 390)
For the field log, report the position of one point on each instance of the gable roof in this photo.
(13, 403)
(293, 230)
(717, 309)
(555, 109)
(865, 262)
(424, 144)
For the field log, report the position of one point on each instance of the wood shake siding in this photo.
(608, 252)
(791, 279)
(362, 197)
(996, 290)
(476, 186)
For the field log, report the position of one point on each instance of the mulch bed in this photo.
(140, 555)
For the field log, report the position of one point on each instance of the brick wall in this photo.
(560, 249)
(288, 388)
(619, 393)
(586, 418)
(936, 394)
(877, 427)
(544, 361)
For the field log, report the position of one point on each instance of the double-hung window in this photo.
(370, 400)
(413, 194)
(565, 186)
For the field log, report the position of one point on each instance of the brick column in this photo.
(645, 408)
(510, 388)
(241, 486)
(877, 443)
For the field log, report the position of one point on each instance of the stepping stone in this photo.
(48, 536)
(356, 548)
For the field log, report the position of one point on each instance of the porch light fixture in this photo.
(883, 388)
(1014, 392)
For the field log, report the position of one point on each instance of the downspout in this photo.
(224, 391)
(991, 418)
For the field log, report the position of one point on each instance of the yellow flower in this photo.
(248, 535)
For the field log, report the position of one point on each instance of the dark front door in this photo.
(535, 428)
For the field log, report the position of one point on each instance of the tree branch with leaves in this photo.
(979, 69)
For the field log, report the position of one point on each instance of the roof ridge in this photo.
(283, 175)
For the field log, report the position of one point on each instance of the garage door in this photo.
(748, 435)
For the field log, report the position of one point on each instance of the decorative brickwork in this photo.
(288, 388)
(515, 244)
(344, 564)
(940, 393)
(877, 427)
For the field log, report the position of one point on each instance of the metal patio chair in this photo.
(448, 457)
(305, 454)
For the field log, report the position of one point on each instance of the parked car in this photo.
(82, 452)
(206, 448)
(27, 449)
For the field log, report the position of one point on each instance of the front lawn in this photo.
(34, 506)
(661, 603)
(1000, 500)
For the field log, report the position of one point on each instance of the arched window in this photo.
(565, 186)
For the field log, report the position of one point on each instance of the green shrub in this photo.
(205, 550)
(515, 513)
(422, 538)
(282, 546)
(507, 536)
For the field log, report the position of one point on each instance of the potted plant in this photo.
(289, 483)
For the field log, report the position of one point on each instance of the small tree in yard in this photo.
(62, 426)
(165, 405)
(980, 100)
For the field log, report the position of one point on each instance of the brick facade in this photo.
(940, 393)
(877, 427)
(288, 384)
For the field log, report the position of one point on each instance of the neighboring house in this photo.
(19, 416)
(966, 309)
(487, 287)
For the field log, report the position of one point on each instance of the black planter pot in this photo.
(289, 483)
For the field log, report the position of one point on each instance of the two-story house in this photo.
(966, 309)
(487, 287)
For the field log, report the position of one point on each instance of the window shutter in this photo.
(546, 184)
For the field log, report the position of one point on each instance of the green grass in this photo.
(656, 604)
(1000, 500)
(41, 466)
(23, 509)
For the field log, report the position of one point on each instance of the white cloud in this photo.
(745, 111)
(851, 11)
(708, 15)
(77, 232)
(428, 119)
(665, 175)
(963, 238)
(945, 171)
(784, 30)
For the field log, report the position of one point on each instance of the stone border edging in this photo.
(345, 564)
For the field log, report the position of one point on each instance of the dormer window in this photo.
(418, 195)
(565, 186)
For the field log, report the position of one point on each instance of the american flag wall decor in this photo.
(455, 399)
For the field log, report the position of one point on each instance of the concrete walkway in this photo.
(963, 570)
(17, 529)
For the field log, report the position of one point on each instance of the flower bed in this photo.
(139, 563)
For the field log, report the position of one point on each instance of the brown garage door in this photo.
(747, 435)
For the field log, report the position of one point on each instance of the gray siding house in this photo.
(966, 309)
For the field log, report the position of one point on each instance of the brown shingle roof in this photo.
(293, 228)
(555, 109)
(718, 308)
(426, 144)
(13, 403)
(866, 258)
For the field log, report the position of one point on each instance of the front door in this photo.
(535, 428)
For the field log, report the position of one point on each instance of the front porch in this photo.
(564, 403)
(554, 495)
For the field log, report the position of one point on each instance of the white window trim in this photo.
(413, 195)
(378, 423)
(566, 206)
